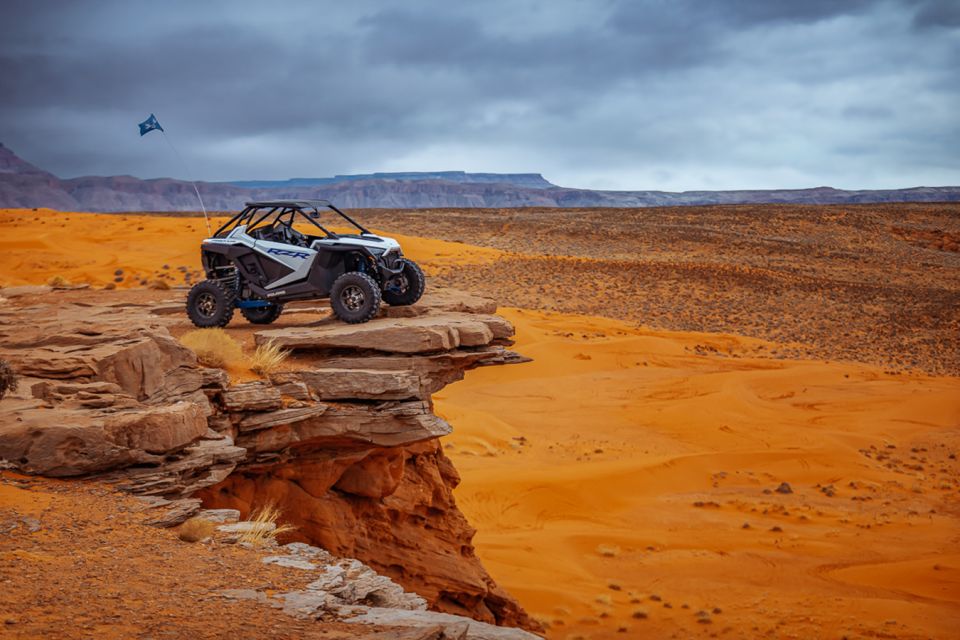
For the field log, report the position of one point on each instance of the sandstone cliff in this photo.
(344, 439)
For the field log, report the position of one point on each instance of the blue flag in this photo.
(149, 125)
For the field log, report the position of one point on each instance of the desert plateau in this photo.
(510, 320)
(670, 422)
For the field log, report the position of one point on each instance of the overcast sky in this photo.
(612, 94)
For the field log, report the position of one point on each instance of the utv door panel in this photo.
(327, 267)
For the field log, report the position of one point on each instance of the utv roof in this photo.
(288, 206)
(291, 203)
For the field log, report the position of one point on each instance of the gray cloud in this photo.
(611, 94)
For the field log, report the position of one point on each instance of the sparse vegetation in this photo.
(214, 347)
(58, 281)
(8, 378)
(608, 550)
(267, 358)
(196, 529)
(265, 527)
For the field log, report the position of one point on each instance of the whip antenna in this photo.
(151, 124)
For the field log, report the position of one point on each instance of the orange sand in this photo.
(621, 472)
(88, 248)
(582, 471)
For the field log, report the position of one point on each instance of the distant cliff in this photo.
(24, 185)
(531, 180)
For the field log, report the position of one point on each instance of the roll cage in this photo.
(274, 213)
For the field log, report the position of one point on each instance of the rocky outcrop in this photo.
(347, 590)
(353, 456)
(104, 388)
(344, 440)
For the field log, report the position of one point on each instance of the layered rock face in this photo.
(106, 387)
(344, 440)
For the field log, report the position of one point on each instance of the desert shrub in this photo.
(110, 286)
(265, 527)
(159, 285)
(267, 358)
(214, 347)
(8, 378)
(58, 281)
(196, 529)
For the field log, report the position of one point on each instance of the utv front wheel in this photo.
(262, 315)
(355, 297)
(209, 304)
(406, 288)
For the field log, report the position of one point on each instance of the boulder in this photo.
(175, 513)
(156, 364)
(220, 516)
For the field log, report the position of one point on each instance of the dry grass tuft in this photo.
(8, 378)
(159, 285)
(196, 529)
(266, 529)
(58, 281)
(214, 347)
(267, 358)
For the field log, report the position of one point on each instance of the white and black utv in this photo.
(258, 261)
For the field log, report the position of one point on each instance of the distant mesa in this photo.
(531, 180)
(25, 185)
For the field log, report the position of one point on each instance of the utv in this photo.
(259, 260)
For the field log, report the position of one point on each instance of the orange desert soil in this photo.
(639, 482)
(78, 561)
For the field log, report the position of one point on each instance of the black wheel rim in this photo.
(401, 283)
(352, 297)
(206, 305)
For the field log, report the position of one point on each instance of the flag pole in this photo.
(190, 178)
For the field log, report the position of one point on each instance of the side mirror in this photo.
(314, 214)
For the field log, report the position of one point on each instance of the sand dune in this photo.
(625, 483)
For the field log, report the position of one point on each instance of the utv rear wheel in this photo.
(406, 288)
(209, 304)
(355, 297)
(262, 315)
